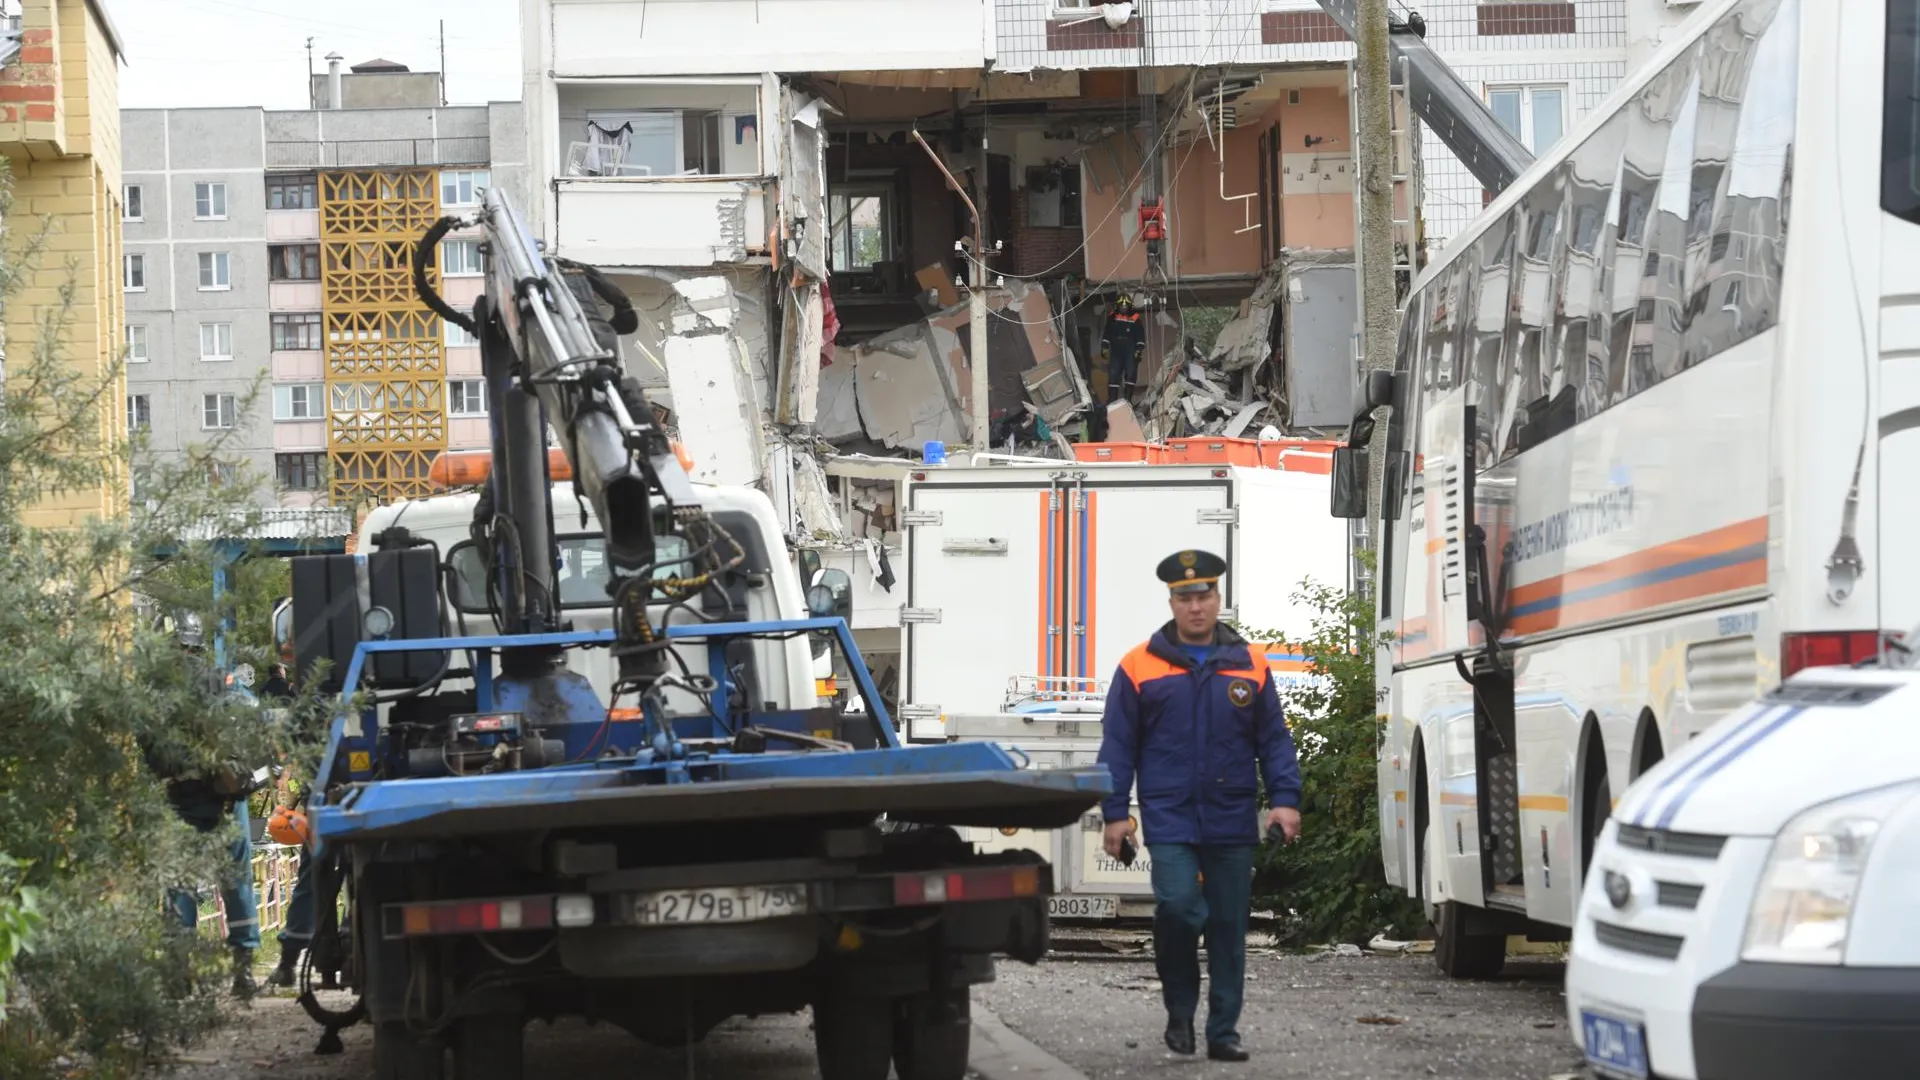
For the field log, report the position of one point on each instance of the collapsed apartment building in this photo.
(798, 200)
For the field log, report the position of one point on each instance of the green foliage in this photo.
(1330, 883)
(98, 711)
(1203, 325)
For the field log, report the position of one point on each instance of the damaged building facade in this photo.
(801, 197)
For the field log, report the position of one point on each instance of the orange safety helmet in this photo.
(288, 827)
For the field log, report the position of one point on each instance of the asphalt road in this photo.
(1329, 1018)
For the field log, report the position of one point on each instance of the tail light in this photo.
(487, 916)
(1830, 648)
(955, 886)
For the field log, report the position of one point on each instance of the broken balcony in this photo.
(661, 172)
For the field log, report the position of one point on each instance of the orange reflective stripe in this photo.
(1142, 667)
(1257, 672)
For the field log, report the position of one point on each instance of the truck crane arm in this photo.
(551, 357)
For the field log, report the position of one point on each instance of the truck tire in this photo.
(931, 1035)
(489, 1048)
(1462, 955)
(399, 1054)
(853, 1037)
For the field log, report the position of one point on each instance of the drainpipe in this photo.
(976, 303)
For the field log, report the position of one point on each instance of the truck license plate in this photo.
(1615, 1048)
(725, 904)
(1082, 907)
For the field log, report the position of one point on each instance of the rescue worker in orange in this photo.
(1121, 343)
(1189, 714)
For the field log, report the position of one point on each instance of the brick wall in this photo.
(1042, 250)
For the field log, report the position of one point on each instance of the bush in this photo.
(1330, 885)
(95, 708)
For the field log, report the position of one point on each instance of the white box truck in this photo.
(1026, 584)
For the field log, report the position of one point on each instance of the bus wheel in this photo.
(1462, 954)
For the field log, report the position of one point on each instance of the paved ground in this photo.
(1326, 1017)
(1329, 1018)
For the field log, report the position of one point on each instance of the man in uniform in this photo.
(1188, 713)
(1121, 342)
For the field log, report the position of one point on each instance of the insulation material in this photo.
(803, 203)
(813, 502)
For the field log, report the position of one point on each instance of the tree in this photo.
(1331, 883)
(97, 709)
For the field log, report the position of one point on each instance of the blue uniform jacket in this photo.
(1191, 737)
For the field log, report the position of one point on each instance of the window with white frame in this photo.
(132, 205)
(459, 257)
(661, 142)
(466, 397)
(139, 412)
(462, 187)
(1536, 115)
(136, 344)
(216, 411)
(216, 271)
(210, 202)
(860, 233)
(458, 335)
(299, 401)
(133, 273)
(216, 341)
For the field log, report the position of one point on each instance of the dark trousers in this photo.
(1123, 363)
(1185, 906)
(297, 932)
(236, 890)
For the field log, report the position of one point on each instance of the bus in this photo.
(1643, 454)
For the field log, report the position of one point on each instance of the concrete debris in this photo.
(708, 305)
(913, 385)
(1122, 426)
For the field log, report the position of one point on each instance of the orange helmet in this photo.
(288, 827)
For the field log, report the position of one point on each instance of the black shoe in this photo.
(243, 985)
(1179, 1035)
(1227, 1051)
(288, 971)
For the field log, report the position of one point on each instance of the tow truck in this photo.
(705, 840)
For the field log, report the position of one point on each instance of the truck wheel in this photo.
(489, 1048)
(930, 1036)
(1462, 955)
(853, 1037)
(399, 1054)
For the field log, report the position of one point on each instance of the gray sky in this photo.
(253, 52)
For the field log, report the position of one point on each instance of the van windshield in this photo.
(583, 572)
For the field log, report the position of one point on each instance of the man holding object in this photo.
(1188, 713)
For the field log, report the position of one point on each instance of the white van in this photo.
(1752, 911)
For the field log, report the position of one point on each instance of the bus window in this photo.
(1900, 125)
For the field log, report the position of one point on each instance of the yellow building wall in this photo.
(60, 132)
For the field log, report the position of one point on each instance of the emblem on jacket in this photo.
(1240, 691)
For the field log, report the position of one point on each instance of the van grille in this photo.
(1673, 894)
(1641, 942)
(1664, 842)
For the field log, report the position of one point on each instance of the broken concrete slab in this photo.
(712, 389)
(1122, 425)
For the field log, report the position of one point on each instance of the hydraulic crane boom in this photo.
(551, 358)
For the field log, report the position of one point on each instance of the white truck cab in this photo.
(1752, 911)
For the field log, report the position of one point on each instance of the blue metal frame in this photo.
(369, 808)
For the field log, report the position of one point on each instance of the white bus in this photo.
(1651, 449)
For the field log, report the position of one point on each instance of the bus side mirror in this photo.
(1381, 387)
(1350, 482)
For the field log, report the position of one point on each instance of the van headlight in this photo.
(1805, 900)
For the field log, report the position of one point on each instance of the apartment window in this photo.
(660, 142)
(462, 187)
(297, 472)
(458, 335)
(216, 341)
(293, 262)
(133, 274)
(210, 202)
(859, 229)
(299, 401)
(466, 397)
(1536, 115)
(292, 193)
(139, 412)
(136, 344)
(296, 331)
(132, 206)
(216, 411)
(460, 257)
(1053, 196)
(216, 270)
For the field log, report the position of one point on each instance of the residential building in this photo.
(60, 133)
(271, 250)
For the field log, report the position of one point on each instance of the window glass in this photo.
(583, 576)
